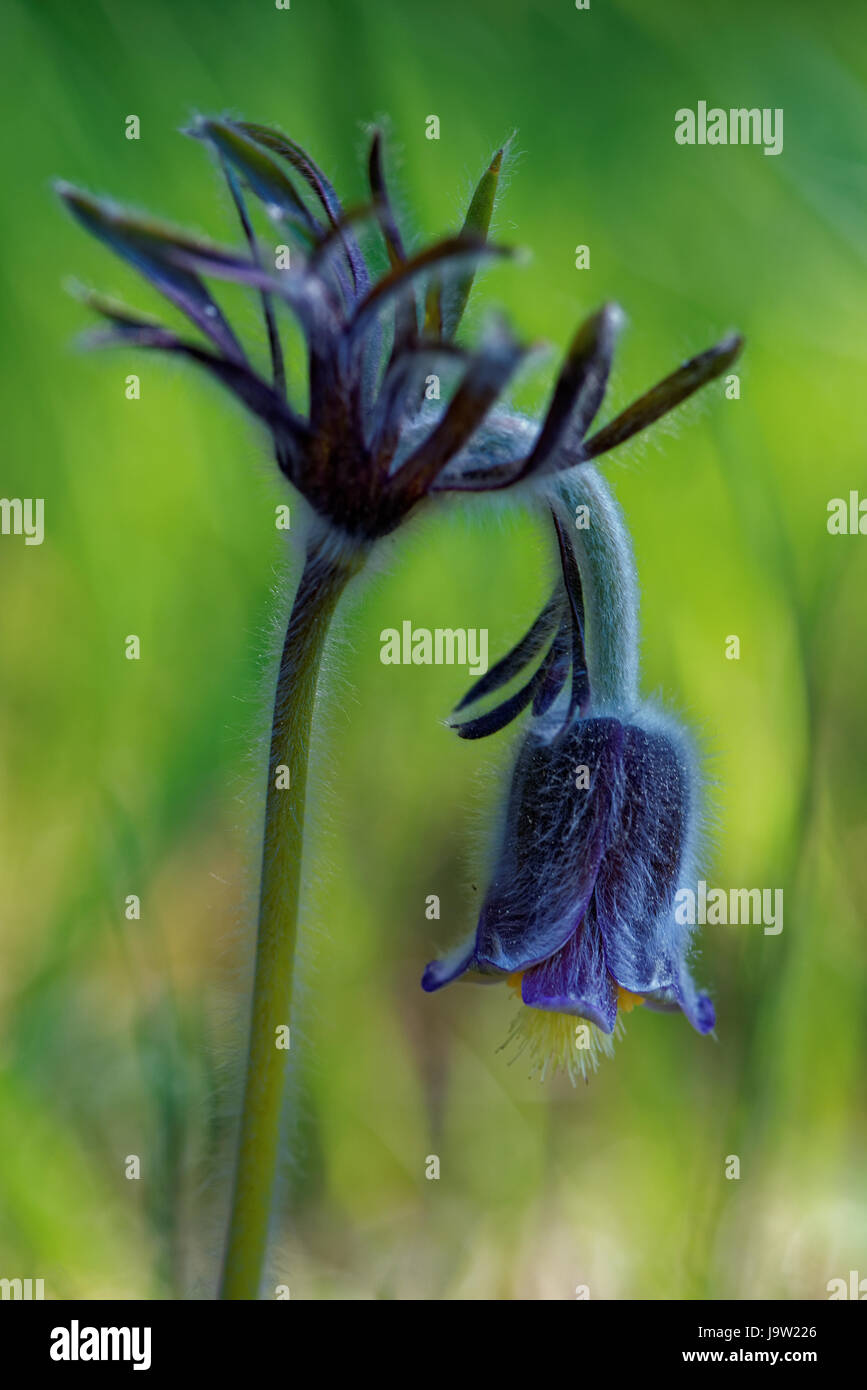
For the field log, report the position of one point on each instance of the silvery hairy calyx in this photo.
(365, 452)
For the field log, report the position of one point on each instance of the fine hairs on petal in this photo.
(559, 1042)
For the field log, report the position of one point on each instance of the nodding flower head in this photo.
(602, 816)
(368, 447)
(596, 838)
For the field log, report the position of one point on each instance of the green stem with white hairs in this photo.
(603, 551)
(322, 582)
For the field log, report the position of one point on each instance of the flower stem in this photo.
(322, 583)
(603, 551)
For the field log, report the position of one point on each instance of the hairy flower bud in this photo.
(595, 842)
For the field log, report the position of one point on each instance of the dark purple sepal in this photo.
(442, 972)
(685, 999)
(638, 877)
(575, 980)
(554, 837)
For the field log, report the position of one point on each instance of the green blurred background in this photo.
(123, 1038)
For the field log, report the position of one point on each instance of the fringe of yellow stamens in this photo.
(627, 1001)
(563, 1042)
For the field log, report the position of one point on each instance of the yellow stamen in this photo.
(563, 1042)
(628, 1001)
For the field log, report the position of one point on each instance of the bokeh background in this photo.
(123, 1038)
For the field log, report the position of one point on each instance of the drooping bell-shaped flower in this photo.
(602, 816)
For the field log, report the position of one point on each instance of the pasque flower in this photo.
(363, 446)
(602, 817)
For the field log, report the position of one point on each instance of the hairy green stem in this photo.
(319, 590)
(603, 551)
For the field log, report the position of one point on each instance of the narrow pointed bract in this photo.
(579, 389)
(665, 396)
(477, 223)
(153, 248)
(560, 443)
(261, 170)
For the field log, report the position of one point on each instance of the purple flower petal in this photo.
(575, 980)
(554, 838)
(442, 972)
(685, 999)
(639, 874)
